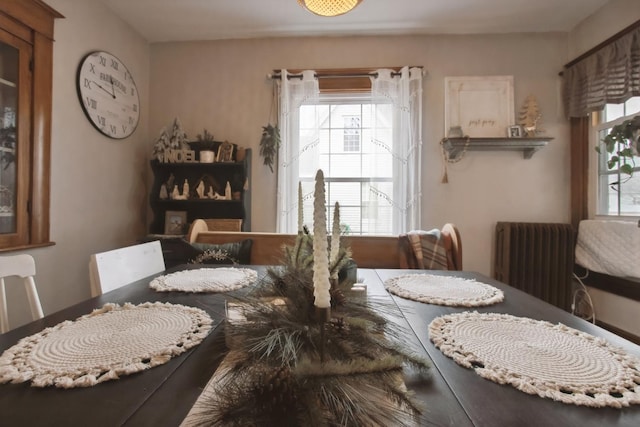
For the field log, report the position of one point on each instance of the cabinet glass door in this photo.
(9, 67)
(15, 136)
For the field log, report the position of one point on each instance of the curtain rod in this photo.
(278, 76)
(613, 38)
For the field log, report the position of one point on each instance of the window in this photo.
(363, 128)
(338, 133)
(26, 52)
(617, 193)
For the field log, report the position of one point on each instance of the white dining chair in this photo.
(113, 269)
(25, 267)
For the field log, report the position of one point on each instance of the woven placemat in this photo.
(223, 279)
(538, 357)
(444, 290)
(108, 343)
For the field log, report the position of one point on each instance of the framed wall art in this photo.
(225, 152)
(481, 105)
(175, 222)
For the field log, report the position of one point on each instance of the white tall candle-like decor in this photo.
(335, 238)
(300, 211)
(321, 285)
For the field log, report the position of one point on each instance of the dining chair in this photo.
(113, 269)
(452, 235)
(25, 267)
(437, 249)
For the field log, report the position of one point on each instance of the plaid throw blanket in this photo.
(424, 250)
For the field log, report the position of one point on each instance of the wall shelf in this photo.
(528, 145)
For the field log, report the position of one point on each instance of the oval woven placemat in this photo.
(223, 279)
(538, 357)
(444, 290)
(108, 343)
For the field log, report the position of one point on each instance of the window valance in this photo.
(609, 74)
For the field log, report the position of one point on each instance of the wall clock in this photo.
(108, 95)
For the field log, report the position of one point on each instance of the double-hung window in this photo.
(618, 194)
(348, 137)
(362, 128)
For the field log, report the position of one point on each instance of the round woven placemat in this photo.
(223, 279)
(444, 290)
(108, 343)
(538, 357)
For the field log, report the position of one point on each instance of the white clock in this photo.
(108, 95)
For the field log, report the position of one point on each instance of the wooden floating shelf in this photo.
(456, 146)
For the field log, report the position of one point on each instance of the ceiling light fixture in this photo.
(329, 7)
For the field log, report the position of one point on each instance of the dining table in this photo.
(450, 395)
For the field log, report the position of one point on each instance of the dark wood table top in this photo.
(162, 396)
(490, 404)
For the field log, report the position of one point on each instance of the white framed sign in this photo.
(481, 105)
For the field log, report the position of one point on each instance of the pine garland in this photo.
(279, 379)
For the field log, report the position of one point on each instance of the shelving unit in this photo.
(528, 146)
(237, 173)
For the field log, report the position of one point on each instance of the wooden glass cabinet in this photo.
(26, 62)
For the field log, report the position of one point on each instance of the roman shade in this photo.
(609, 74)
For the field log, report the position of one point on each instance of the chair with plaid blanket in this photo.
(431, 250)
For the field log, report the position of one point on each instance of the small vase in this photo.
(207, 156)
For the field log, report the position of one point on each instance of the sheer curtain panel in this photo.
(403, 93)
(293, 91)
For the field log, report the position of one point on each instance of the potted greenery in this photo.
(269, 144)
(206, 147)
(622, 142)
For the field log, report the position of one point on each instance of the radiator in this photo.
(536, 258)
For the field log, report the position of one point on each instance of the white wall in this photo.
(98, 185)
(222, 86)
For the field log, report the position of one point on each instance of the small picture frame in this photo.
(225, 152)
(175, 222)
(514, 131)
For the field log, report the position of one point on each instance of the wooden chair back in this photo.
(113, 269)
(25, 267)
(451, 232)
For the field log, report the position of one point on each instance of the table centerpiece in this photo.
(308, 350)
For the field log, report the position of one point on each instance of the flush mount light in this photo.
(329, 7)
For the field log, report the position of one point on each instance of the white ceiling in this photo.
(182, 20)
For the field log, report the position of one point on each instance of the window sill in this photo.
(27, 247)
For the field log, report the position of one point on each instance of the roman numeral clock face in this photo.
(108, 95)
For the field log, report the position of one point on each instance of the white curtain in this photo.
(403, 141)
(293, 92)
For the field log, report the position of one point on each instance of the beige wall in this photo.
(98, 185)
(222, 85)
(615, 16)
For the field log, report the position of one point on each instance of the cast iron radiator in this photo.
(536, 258)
